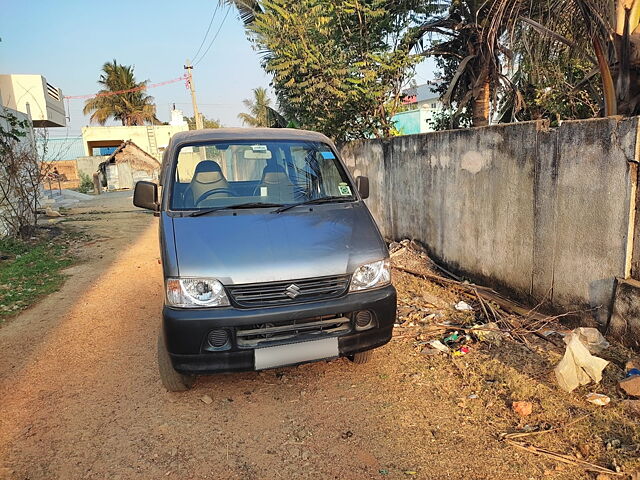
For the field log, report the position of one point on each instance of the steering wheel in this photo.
(208, 193)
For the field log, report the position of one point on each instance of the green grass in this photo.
(31, 271)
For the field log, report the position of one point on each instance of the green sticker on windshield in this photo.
(344, 189)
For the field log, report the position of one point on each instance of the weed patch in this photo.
(31, 269)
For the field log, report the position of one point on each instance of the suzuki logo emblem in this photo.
(292, 291)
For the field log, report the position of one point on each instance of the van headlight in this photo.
(195, 292)
(371, 275)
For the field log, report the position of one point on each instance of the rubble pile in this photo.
(463, 317)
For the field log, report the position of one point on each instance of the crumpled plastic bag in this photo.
(590, 338)
(579, 366)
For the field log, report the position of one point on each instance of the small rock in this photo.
(598, 399)
(584, 449)
(631, 385)
(522, 408)
(206, 399)
(613, 444)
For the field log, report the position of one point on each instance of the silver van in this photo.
(270, 255)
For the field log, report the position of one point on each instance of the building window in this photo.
(433, 105)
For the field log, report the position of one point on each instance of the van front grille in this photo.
(266, 334)
(288, 292)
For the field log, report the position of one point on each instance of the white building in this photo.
(153, 139)
(33, 96)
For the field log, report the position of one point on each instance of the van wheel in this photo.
(173, 381)
(361, 357)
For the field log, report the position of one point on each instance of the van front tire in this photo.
(173, 381)
(361, 357)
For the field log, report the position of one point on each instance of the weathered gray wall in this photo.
(89, 165)
(542, 214)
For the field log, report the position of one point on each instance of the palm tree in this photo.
(473, 41)
(605, 32)
(130, 108)
(258, 107)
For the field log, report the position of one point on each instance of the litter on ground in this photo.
(521, 358)
(579, 366)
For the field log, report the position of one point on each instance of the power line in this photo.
(207, 32)
(208, 104)
(214, 38)
(119, 92)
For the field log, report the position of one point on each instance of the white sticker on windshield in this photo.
(327, 155)
(259, 148)
(344, 189)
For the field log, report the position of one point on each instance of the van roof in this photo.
(216, 134)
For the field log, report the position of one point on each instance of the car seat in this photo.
(277, 182)
(207, 177)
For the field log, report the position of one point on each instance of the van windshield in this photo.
(272, 173)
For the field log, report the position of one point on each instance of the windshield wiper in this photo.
(314, 201)
(197, 213)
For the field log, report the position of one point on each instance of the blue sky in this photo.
(68, 42)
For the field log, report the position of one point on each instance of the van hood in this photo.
(256, 245)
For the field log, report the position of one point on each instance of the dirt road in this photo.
(80, 396)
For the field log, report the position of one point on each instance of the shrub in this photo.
(86, 183)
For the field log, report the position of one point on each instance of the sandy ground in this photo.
(80, 395)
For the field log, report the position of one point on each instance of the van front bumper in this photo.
(186, 330)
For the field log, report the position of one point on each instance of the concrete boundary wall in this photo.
(545, 215)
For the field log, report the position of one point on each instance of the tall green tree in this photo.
(131, 108)
(338, 67)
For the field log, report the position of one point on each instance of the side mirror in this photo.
(362, 184)
(145, 195)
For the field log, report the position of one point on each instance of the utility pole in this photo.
(188, 67)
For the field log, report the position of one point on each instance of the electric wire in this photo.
(214, 38)
(207, 32)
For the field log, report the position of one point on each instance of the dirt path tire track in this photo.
(80, 397)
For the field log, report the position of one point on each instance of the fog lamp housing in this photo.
(218, 339)
(364, 320)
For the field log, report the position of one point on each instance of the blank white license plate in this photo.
(280, 355)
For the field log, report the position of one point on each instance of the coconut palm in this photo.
(130, 108)
(605, 32)
(258, 107)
